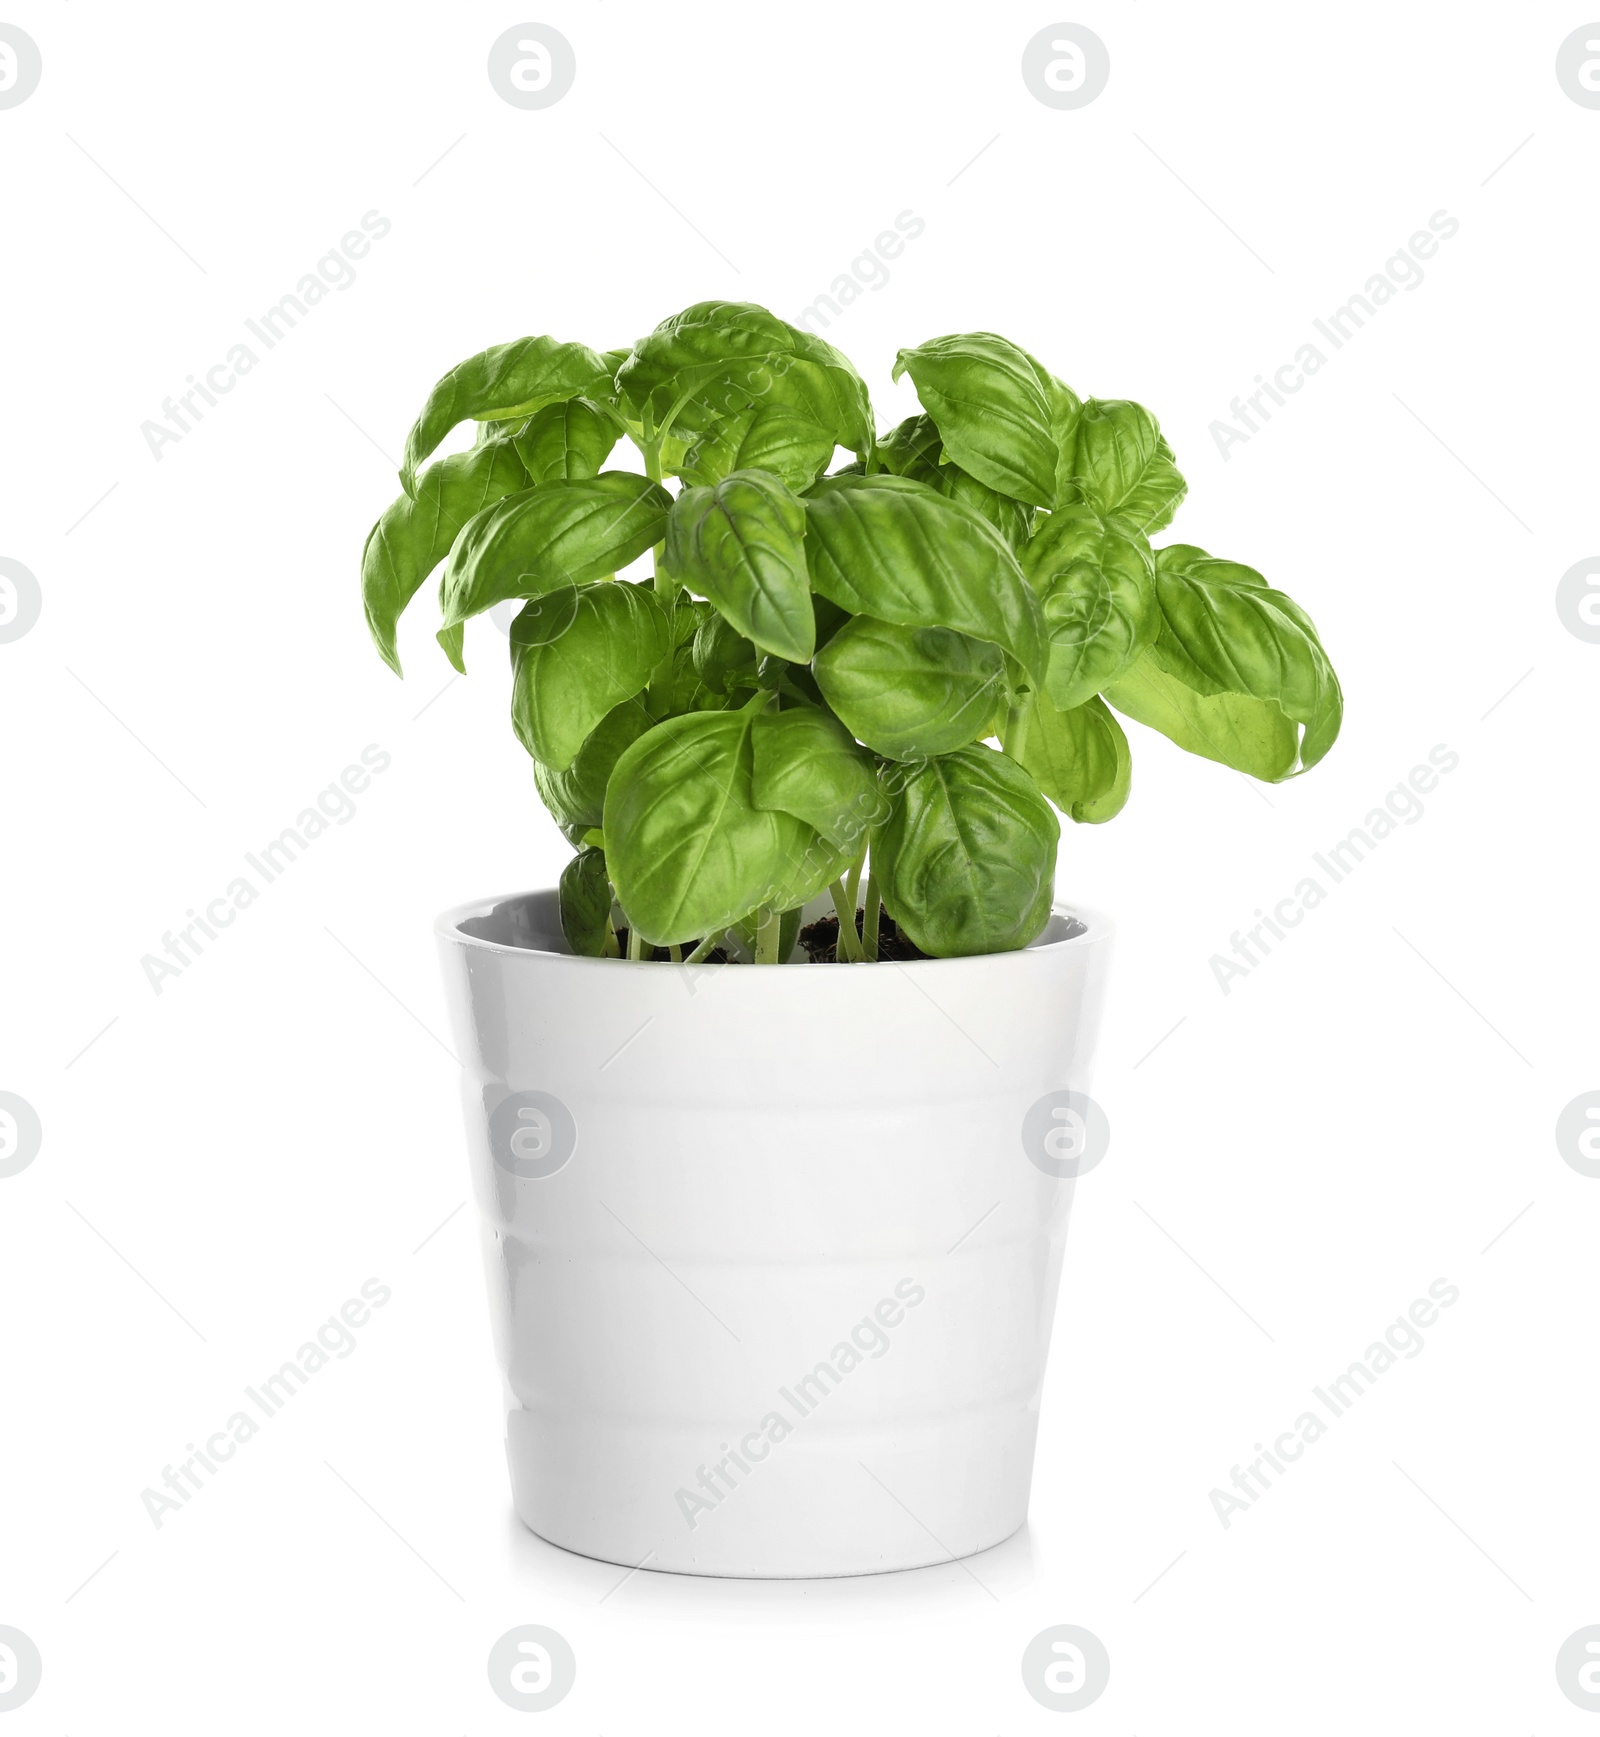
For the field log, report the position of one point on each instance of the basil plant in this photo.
(899, 668)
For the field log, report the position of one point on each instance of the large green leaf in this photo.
(967, 857)
(1079, 759)
(1096, 582)
(414, 535)
(892, 548)
(1236, 672)
(723, 658)
(577, 653)
(806, 763)
(772, 437)
(1122, 466)
(584, 900)
(567, 442)
(716, 361)
(742, 544)
(688, 848)
(505, 382)
(909, 692)
(576, 797)
(560, 533)
(992, 404)
(915, 448)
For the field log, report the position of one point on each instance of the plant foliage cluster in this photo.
(808, 688)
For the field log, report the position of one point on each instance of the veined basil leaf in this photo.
(915, 448)
(967, 857)
(584, 900)
(909, 692)
(560, 533)
(687, 691)
(414, 535)
(805, 763)
(723, 658)
(1096, 583)
(742, 543)
(717, 360)
(992, 404)
(567, 442)
(1079, 759)
(452, 642)
(891, 548)
(1122, 466)
(688, 849)
(1066, 411)
(1236, 672)
(575, 654)
(498, 384)
(576, 797)
(773, 437)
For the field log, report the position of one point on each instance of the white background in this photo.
(1364, 1113)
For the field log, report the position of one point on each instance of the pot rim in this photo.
(1096, 927)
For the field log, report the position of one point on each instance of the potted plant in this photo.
(774, 1252)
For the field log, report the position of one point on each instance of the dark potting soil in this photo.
(819, 944)
(820, 940)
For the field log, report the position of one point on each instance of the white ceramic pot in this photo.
(773, 1250)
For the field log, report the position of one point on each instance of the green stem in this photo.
(769, 935)
(613, 947)
(635, 942)
(709, 945)
(849, 946)
(852, 886)
(869, 923)
(675, 952)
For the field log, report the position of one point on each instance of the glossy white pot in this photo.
(773, 1250)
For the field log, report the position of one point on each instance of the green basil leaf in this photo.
(807, 764)
(891, 548)
(567, 442)
(742, 543)
(575, 654)
(452, 641)
(414, 535)
(687, 691)
(723, 658)
(1122, 466)
(992, 404)
(1079, 759)
(1236, 672)
(560, 533)
(909, 692)
(689, 850)
(498, 384)
(915, 449)
(717, 360)
(774, 437)
(967, 857)
(1096, 582)
(576, 797)
(584, 900)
